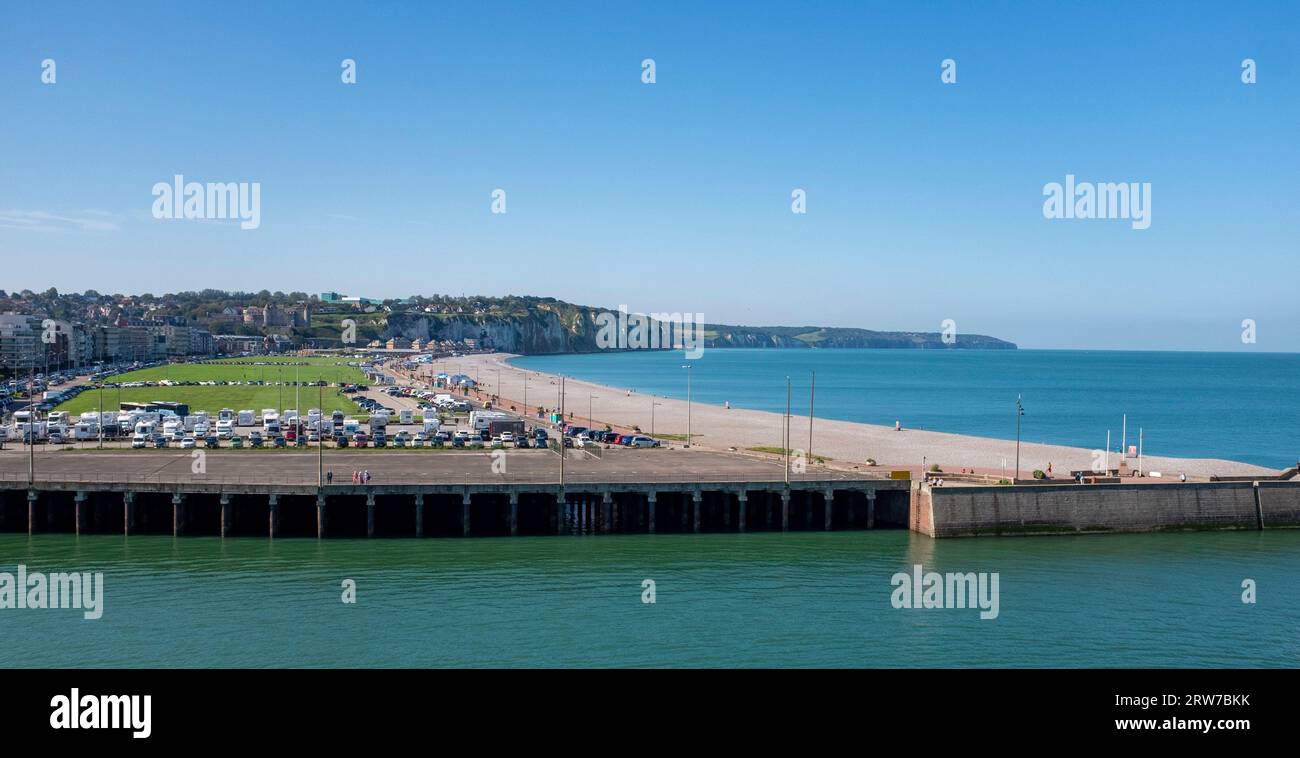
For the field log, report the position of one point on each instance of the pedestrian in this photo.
(365, 477)
(329, 476)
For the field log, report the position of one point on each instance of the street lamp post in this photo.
(812, 395)
(688, 368)
(785, 433)
(590, 421)
(1020, 411)
(652, 417)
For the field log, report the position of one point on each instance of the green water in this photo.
(799, 599)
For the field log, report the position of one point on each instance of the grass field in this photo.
(241, 397)
(213, 399)
(243, 370)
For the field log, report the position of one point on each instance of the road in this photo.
(397, 467)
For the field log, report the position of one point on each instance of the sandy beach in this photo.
(845, 444)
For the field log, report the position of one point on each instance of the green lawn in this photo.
(213, 399)
(331, 369)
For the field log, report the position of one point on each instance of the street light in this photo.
(688, 368)
(652, 417)
(590, 420)
(1020, 411)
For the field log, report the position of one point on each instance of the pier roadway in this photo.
(388, 467)
(275, 493)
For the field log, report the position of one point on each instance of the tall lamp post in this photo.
(590, 421)
(785, 429)
(1020, 412)
(652, 417)
(688, 368)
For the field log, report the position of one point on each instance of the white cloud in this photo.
(44, 221)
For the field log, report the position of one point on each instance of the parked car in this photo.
(237, 442)
(159, 441)
(279, 441)
(211, 442)
(187, 443)
(255, 439)
(639, 441)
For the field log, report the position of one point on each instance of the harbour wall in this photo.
(445, 510)
(956, 511)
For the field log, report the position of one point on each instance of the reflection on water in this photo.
(799, 599)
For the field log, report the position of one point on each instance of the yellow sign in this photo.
(900, 474)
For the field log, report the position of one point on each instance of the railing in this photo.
(20, 479)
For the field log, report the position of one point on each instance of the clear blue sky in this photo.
(924, 200)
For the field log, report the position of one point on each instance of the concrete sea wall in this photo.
(1080, 509)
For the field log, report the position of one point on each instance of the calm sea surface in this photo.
(798, 599)
(1237, 406)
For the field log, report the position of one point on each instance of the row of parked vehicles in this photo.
(584, 437)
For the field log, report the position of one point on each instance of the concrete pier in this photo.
(227, 514)
(178, 514)
(128, 513)
(320, 516)
(81, 512)
(429, 510)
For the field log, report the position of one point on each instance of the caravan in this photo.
(245, 418)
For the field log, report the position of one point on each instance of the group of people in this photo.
(361, 477)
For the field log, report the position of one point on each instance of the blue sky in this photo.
(924, 199)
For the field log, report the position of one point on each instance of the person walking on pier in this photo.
(329, 476)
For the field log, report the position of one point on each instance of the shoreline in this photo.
(845, 444)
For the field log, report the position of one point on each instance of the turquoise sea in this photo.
(759, 599)
(1237, 406)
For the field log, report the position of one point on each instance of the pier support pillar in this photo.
(128, 513)
(419, 514)
(370, 514)
(726, 511)
(650, 509)
(274, 525)
(178, 514)
(561, 501)
(686, 511)
(606, 509)
(828, 497)
(808, 509)
(31, 510)
(227, 514)
(785, 510)
(320, 516)
(464, 514)
(742, 498)
(514, 514)
(81, 510)
(871, 509)
(697, 501)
